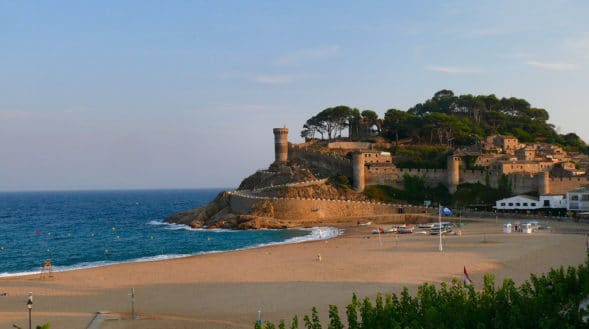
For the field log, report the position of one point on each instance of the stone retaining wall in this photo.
(302, 209)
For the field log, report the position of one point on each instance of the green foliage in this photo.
(329, 122)
(415, 192)
(548, 301)
(469, 162)
(469, 194)
(295, 323)
(383, 193)
(446, 119)
(421, 156)
(313, 322)
(340, 181)
(46, 325)
(334, 320)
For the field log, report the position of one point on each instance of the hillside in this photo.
(444, 119)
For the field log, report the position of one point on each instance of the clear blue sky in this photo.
(180, 94)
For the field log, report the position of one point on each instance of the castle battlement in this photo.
(526, 174)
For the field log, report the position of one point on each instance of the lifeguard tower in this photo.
(46, 270)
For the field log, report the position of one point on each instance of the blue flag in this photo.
(447, 211)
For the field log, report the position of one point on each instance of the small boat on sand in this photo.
(405, 229)
(393, 229)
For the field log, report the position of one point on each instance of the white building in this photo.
(578, 199)
(518, 202)
(526, 202)
(553, 201)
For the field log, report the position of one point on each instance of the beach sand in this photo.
(226, 290)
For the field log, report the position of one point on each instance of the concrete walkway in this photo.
(100, 317)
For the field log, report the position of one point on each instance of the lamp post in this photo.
(133, 303)
(30, 307)
(440, 248)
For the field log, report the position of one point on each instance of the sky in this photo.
(184, 94)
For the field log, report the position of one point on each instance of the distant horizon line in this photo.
(116, 189)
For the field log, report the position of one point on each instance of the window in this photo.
(546, 203)
(503, 204)
(575, 197)
(518, 204)
(585, 197)
(533, 204)
(525, 204)
(511, 204)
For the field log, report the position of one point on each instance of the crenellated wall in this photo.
(384, 177)
(472, 176)
(523, 183)
(432, 177)
(563, 185)
(452, 176)
(350, 145)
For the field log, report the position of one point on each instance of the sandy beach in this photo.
(226, 290)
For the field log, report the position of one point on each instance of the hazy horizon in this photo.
(176, 94)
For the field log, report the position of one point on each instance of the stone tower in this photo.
(544, 183)
(453, 173)
(280, 145)
(358, 171)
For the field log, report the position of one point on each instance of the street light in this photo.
(132, 303)
(30, 307)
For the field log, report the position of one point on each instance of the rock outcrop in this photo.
(260, 196)
(219, 214)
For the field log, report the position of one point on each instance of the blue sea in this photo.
(95, 228)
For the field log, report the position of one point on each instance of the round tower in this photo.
(280, 145)
(453, 173)
(358, 179)
(544, 183)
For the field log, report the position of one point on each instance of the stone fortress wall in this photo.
(366, 173)
(529, 176)
(563, 185)
(305, 209)
(520, 183)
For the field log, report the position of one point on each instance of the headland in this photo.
(324, 182)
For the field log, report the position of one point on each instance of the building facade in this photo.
(578, 199)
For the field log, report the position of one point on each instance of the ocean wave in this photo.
(317, 233)
(177, 227)
(172, 226)
(5, 274)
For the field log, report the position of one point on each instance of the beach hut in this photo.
(507, 228)
(526, 228)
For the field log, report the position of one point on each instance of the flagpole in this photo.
(440, 248)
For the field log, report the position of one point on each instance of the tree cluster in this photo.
(331, 122)
(548, 301)
(446, 119)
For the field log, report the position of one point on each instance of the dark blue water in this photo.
(84, 229)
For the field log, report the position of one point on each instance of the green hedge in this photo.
(548, 301)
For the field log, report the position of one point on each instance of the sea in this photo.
(82, 229)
